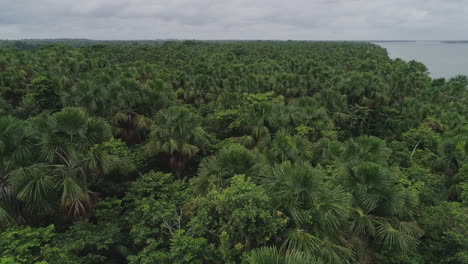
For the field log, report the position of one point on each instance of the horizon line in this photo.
(193, 39)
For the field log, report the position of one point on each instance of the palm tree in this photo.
(313, 116)
(217, 170)
(452, 155)
(258, 120)
(63, 168)
(327, 151)
(262, 119)
(128, 110)
(136, 104)
(412, 112)
(15, 149)
(15, 145)
(318, 212)
(283, 147)
(367, 148)
(323, 249)
(89, 95)
(378, 205)
(126, 104)
(300, 189)
(198, 90)
(295, 185)
(177, 132)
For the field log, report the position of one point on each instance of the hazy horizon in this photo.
(184, 39)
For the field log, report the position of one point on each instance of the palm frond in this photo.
(189, 150)
(97, 131)
(301, 240)
(395, 240)
(332, 253)
(362, 223)
(265, 255)
(331, 210)
(271, 255)
(71, 121)
(32, 184)
(153, 147)
(5, 218)
(75, 198)
(143, 123)
(297, 257)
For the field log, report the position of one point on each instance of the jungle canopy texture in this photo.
(229, 152)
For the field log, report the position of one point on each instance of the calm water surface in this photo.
(442, 59)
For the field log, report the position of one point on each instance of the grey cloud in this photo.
(234, 19)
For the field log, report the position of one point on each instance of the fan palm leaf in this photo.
(301, 240)
(97, 131)
(367, 148)
(75, 198)
(395, 240)
(32, 184)
(271, 255)
(362, 223)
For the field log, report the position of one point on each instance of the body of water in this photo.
(442, 59)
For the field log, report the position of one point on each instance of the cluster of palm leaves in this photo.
(51, 160)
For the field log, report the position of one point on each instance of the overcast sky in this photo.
(235, 19)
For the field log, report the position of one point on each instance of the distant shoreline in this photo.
(422, 41)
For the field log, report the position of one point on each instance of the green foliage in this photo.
(240, 215)
(66, 162)
(179, 134)
(445, 239)
(429, 186)
(217, 171)
(366, 148)
(284, 146)
(24, 244)
(155, 204)
(421, 137)
(389, 258)
(42, 96)
(401, 155)
(87, 242)
(187, 249)
(282, 152)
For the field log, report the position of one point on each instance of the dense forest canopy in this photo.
(229, 152)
